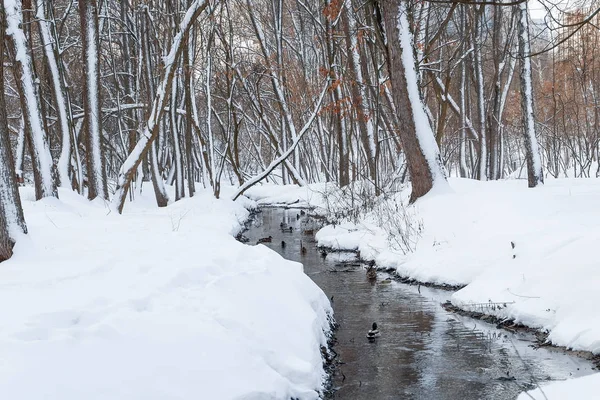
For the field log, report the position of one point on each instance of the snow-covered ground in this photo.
(154, 304)
(289, 195)
(523, 254)
(584, 388)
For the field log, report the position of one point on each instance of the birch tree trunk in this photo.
(160, 192)
(535, 174)
(92, 126)
(418, 142)
(478, 38)
(188, 69)
(59, 88)
(12, 220)
(45, 185)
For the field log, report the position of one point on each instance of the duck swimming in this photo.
(265, 239)
(371, 273)
(373, 332)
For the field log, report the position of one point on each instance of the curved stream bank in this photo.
(424, 352)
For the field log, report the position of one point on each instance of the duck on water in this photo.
(373, 332)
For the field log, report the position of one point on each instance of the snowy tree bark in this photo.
(477, 41)
(59, 88)
(188, 69)
(151, 127)
(19, 50)
(535, 174)
(160, 192)
(418, 142)
(96, 171)
(12, 220)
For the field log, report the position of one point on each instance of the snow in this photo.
(584, 388)
(309, 196)
(157, 303)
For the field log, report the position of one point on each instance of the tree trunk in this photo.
(535, 174)
(421, 150)
(59, 88)
(12, 220)
(45, 185)
(92, 125)
(478, 68)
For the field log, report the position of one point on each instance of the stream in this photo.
(424, 352)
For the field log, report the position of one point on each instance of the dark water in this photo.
(424, 352)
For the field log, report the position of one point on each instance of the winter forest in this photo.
(449, 144)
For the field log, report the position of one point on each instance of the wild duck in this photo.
(371, 273)
(373, 332)
(267, 239)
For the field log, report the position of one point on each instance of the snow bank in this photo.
(584, 388)
(154, 304)
(290, 195)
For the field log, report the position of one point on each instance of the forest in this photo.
(186, 93)
(126, 101)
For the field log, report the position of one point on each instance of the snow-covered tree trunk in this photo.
(188, 56)
(463, 123)
(535, 174)
(151, 127)
(45, 185)
(211, 145)
(418, 142)
(160, 192)
(20, 151)
(59, 88)
(12, 220)
(462, 151)
(176, 145)
(96, 171)
(478, 60)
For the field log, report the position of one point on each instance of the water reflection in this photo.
(424, 352)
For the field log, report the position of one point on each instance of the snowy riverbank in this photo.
(523, 254)
(154, 304)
